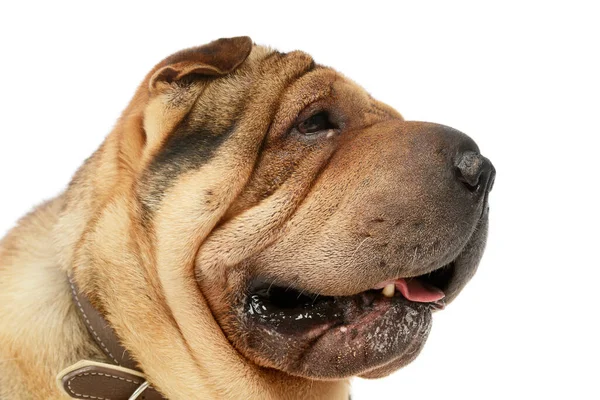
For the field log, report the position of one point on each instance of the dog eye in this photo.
(315, 123)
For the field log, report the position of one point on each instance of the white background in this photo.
(521, 78)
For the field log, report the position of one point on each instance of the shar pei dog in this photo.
(256, 226)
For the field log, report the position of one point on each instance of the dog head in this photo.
(262, 211)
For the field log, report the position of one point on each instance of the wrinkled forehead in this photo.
(302, 83)
(320, 88)
(225, 99)
(269, 91)
(240, 104)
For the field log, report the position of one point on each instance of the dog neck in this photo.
(123, 378)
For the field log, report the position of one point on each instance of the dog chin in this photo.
(371, 333)
(323, 337)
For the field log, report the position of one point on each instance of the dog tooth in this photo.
(389, 290)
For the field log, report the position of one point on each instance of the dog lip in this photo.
(299, 313)
(426, 288)
(392, 328)
(370, 326)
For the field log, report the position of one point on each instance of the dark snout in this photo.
(461, 179)
(425, 205)
(451, 155)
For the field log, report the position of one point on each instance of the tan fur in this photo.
(40, 332)
(164, 250)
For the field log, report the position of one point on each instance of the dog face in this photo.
(275, 197)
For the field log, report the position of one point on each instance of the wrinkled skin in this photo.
(232, 229)
(375, 200)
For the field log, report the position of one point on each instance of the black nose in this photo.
(475, 171)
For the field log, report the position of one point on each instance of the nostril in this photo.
(473, 170)
(471, 184)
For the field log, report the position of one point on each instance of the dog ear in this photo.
(216, 58)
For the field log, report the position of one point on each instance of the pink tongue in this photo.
(415, 291)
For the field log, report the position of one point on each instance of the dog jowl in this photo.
(255, 226)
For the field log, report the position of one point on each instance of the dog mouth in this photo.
(388, 321)
(285, 306)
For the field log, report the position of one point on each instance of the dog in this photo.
(256, 226)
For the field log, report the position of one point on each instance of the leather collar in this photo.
(121, 380)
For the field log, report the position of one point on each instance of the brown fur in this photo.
(162, 238)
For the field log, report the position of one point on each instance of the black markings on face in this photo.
(189, 147)
(195, 142)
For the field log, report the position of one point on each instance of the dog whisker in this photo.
(315, 299)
